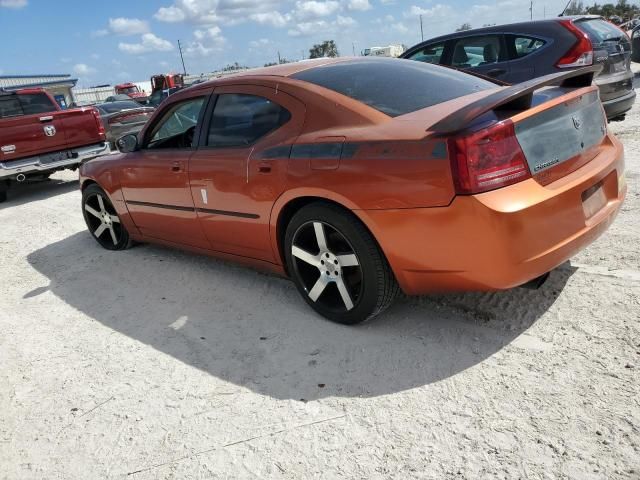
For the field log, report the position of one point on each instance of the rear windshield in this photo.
(394, 86)
(600, 31)
(113, 107)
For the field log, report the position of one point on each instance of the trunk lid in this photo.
(612, 51)
(563, 136)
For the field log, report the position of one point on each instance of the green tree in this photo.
(576, 7)
(327, 48)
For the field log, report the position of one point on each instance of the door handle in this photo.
(264, 167)
(176, 166)
(496, 72)
(48, 118)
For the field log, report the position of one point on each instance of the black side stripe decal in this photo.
(191, 209)
(161, 205)
(228, 213)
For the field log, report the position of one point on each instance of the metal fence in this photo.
(87, 96)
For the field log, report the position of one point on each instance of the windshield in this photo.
(129, 90)
(394, 87)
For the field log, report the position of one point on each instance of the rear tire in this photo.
(337, 265)
(102, 219)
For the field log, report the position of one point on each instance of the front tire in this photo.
(102, 219)
(337, 265)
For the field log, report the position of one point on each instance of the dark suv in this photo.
(521, 51)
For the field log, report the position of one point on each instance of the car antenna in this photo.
(565, 8)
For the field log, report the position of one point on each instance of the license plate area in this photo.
(594, 199)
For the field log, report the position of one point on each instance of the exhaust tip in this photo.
(536, 283)
(20, 177)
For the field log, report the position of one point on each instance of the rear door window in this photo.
(10, 106)
(523, 46)
(429, 54)
(35, 103)
(475, 51)
(239, 120)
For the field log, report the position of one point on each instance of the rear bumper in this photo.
(500, 239)
(620, 105)
(52, 161)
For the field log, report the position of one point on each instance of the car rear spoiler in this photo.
(515, 97)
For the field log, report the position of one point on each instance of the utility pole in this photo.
(353, 47)
(184, 69)
(302, 54)
(279, 59)
(531, 10)
(421, 31)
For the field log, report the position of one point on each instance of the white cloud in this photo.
(206, 42)
(344, 22)
(274, 19)
(13, 3)
(83, 69)
(170, 14)
(95, 56)
(128, 26)
(263, 42)
(312, 9)
(148, 43)
(99, 33)
(359, 5)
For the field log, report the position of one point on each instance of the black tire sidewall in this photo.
(344, 223)
(124, 241)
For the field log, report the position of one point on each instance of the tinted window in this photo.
(392, 86)
(429, 54)
(113, 107)
(475, 51)
(177, 126)
(600, 31)
(240, 120)
(10, 106)
(523, 46)
(35, 103)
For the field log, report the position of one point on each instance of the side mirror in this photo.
(128, 143)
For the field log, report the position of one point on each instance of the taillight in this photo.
(96, 116)
(581, 54)
(487, 159)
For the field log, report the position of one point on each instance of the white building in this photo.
(59, 86)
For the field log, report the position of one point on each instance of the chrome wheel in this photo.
(102, 219)
(327, 266)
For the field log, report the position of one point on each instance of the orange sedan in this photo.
(361, 177)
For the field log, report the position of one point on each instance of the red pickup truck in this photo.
(133, 91)
(37, 138)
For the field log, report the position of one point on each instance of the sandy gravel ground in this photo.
(152, 363)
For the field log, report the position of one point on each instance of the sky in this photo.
(108, 42)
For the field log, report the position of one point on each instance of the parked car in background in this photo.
(635, 44)
(37, 138)
(121, 97)
(158, 96)
(439, 183)
(123, 117)
(132, 91)
(521, 51)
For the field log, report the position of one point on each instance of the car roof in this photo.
(501, 28)
(284, 70)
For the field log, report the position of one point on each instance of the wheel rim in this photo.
(102, 220)
(327, 266)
